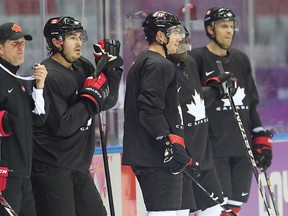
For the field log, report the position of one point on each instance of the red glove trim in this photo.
(262, 140)
(95, 82)
(176, 139)
(97, 56)
(216, 79)
(3, 178)
(98, 51)
(102, 43)
(89, 97)
(2, 132)
(3, 172)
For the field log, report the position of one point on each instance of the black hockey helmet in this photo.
(217, 14)
(159, 21)
(57, 27)
(61, 25)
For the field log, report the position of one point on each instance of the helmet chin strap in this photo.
(64, 56)
(62, 53)
(164, 46)
(217, 42)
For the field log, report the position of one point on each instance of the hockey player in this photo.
(153, 142)
(194, 99)
(230, 158)
(64, 145)
(20, 107)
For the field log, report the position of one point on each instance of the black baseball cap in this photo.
(12, 31)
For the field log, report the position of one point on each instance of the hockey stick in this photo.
(211, 195)
(271, 193)
(247, 145)
(99, 67)
(7, 207)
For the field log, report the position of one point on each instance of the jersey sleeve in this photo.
(64, 119)
(151, 100)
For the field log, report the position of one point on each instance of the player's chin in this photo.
(227, 43)
(77, 55)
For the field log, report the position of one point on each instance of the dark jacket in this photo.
(16, 99)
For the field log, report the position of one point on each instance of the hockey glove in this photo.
(224, 84)
(175, 155)
(95, 89)
(262, 148)
(113, 79)
(3, 175)
(5, 124)
(194, 168)
(111, 48)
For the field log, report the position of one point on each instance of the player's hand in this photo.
(262, 148)
(5, 124)
(224, 84)
(194, 168)
(40, 74)
(95, 89)
(3, 175)
(111, 48)
(175, 155)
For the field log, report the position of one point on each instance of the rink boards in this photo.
(127, 194)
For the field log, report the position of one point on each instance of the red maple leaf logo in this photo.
(16, 28)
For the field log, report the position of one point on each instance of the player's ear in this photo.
(160, 37)
(210, 31)
(1, 49)
(56, 42)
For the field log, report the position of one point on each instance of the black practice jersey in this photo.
(151, 110)
(194, 113)
(67, 139)
(224, 132)
(15, 97)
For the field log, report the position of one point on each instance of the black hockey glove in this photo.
(194, 168)
(107, 59)
(262, 148)
(96, 90)
(175, 155)
(113, 79)
(5, 124)
(110, 48)
(224, 84)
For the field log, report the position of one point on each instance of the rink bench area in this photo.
(127, 194)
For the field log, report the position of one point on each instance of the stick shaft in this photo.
(247, 146)
(271, 193)
(106, 165)
(211, 195)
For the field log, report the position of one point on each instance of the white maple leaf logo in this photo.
(238, 98)
(180, 114)
(197, 108)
